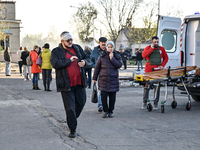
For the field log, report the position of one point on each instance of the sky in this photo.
(39, 16)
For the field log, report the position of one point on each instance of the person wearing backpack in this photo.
(24, 55)
(34, 68)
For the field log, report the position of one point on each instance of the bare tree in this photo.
(84, 20)
(123, 10)
(174, 12)
(4, 26)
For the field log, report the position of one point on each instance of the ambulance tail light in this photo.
(182, 56)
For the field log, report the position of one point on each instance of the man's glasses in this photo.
(70, 40)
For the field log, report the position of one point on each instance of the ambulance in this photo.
(181, 41)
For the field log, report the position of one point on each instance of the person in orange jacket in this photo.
(34, 68)
(156, 57)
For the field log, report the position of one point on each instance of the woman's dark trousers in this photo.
(46, 76)
(112, 98)
(20, 63)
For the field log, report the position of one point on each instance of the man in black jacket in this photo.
(69, 59)
(139, 59)
(124, 58)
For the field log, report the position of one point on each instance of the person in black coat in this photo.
(124, 58)
(68, 60)
(24, 55)
(108, 82)
(139, 59)
(88, 69)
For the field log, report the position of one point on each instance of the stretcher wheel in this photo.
(149, 107)
(188, 106)
(162, 108)
(174, 104)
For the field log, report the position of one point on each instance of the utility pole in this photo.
(94, 17)
(158, 7)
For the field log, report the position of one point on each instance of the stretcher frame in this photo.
(157, 82)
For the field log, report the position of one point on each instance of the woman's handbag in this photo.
(39, 61)
(94, 94)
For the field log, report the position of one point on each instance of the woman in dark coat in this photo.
(7, 58)
(107, 70)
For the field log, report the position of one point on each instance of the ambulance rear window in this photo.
(169, 40)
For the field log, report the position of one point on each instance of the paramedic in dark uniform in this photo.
(156, 57)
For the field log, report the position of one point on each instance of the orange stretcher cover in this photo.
(163, 73)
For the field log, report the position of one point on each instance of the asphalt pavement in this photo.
(35, 120)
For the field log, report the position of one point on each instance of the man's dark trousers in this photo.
(74, 101)
(124, 62)
(88, 75)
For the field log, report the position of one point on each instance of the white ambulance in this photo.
(182, 44)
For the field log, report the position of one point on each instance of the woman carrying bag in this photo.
(107, 70)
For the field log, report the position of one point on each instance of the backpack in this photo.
(29, 61)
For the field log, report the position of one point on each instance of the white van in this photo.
(182, 44)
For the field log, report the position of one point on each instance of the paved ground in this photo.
(35, 120)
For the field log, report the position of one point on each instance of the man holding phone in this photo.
(68, 60)
(156, 57)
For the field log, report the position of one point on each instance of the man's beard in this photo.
(67, 47)
(155, 46)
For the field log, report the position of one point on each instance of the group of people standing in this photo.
(27, 71)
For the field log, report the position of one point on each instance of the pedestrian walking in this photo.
(34, 68)
(24, 55)
(88, 69)
(156, 58)
(68, 60)
(106, 70)
(139, 59)
(46, 67)
(20, 62)
(94, 57)
(124, 58)
(7, 58)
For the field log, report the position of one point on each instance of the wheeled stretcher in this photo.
(175, 76)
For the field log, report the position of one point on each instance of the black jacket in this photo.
(24, 55)
(60, 63)
(7, 56)
(124, 56)
(88, 52)
(139, 56)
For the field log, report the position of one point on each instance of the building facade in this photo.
(10, 27)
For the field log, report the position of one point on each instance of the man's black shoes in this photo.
(72, 134)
